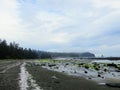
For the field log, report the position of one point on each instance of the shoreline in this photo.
(61, 81)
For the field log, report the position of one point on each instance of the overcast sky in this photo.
(63, 25)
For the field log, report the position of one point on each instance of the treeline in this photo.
(13, 51)
(44, 55)
(85, 54)
(53, 55)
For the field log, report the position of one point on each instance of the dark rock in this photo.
(99, 75)
(89, 78)
(56, 67)
(112, 65)
(51, 65)
(81, 64)
(43, 64)
(67, 64)
(102, 77)
(87, 67)
(86, 72)
(117, 70)
(105, 70)
(56, 81)
(117, 85)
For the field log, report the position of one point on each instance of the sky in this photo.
(63, 25)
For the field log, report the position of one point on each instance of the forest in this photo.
(12, 50)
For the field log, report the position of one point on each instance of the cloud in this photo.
(9, 20)
(62, 25)
(103, 25)
(107, 3)
(53, 21)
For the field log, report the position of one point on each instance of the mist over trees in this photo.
(85, 54)
(53, 55)
(14, 51)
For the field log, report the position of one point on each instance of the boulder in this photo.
(117, 85)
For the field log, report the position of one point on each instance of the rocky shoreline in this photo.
(52, 80)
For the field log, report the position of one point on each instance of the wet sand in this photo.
(9, 79)
(51, 80)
